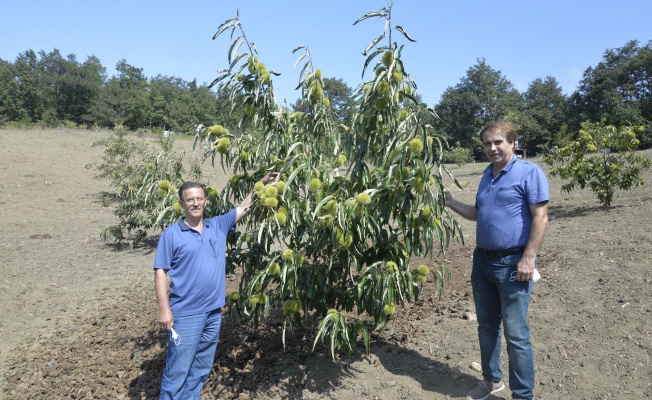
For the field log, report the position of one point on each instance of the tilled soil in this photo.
(78, 315)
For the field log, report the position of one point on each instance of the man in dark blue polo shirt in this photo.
(511, 210)
(192, 253)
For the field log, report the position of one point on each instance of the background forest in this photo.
(49, 90)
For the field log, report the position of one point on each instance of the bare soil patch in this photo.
(77, 316)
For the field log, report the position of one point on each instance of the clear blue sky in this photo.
(523, 39)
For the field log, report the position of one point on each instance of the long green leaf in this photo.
(298, 48)
(370, 15)
(226, 25)
(295, 173)
(373, 44)
(369, 59)
(237, 59)
(400, 29)
(299, 60)
(320, 205)
(235, 48)
(218, 80)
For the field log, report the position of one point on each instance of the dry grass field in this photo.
(77, 316)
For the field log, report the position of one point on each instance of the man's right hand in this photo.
(166, 320)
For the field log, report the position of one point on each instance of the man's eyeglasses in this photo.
(195, 200)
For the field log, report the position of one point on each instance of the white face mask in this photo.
(535, 276)
(176, 337)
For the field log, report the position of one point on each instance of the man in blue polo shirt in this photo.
(192, 253)
(511, 210)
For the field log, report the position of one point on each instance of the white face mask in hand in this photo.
(176, 337)
(535, 276)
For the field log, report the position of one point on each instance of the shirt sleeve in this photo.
(163, 258)
(226, 222)
(537, 187)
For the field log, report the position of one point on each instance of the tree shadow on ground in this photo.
(433, 376)
(150, 350)
(256, 364)
(566, 212)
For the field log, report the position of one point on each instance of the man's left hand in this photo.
(269, 177)
(525, 269)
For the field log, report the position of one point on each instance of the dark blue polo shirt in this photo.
(503, 203)
(196, 264)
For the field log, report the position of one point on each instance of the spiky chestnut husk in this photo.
(280, 217)
(416, 145)
(223, 145)
(383, 88)
(363, 199)
(288, 254)
(273, 269)
(271, 202)
(388, 58)
(315, 185)
(391, 267)
(271, 191)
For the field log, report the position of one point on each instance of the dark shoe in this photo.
(484, 390)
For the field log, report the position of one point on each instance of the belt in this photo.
(502, 253)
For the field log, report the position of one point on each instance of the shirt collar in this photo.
(185, 227)
(509, 166)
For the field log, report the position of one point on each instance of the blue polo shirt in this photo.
(503, 204)
(196, 264)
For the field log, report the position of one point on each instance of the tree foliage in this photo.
(618, 90)
(48, 89)
(338, 94)
(330, 242)
(542, 119)
(145, 180)
(482, 96)
(601, 157)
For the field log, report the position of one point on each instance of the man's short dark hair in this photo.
(504, 127)
(191, 185)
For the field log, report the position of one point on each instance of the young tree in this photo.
(601, 157)
(331, 241)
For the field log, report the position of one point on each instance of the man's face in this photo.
(497, 149)
(193, 203)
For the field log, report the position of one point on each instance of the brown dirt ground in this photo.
(77, 316)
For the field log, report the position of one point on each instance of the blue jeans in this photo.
(498, 296)
(190, 358)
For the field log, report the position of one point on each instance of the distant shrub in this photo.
(146, 181)
(601, 157)
(69, 124)
(457, 155)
